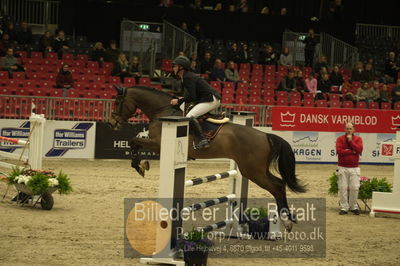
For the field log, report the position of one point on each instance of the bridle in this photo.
(119, 100)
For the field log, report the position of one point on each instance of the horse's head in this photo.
(121, 111)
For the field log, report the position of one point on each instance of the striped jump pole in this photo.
(210, 178)
(209, 203)
(15, 141)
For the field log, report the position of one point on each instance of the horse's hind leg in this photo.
(277, 188)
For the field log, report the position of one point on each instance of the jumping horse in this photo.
(256, 153)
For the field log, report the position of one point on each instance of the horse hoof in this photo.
(141, 171)
(288, 225)
(145, 165)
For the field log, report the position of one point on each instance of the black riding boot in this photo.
(203, 142)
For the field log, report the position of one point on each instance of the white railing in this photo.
(338, 52)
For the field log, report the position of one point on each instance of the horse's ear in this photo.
(120, 90)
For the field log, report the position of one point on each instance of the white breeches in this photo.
(203, 108)
(348, 183)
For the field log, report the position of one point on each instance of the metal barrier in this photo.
(142, 39)
(176, 40)
(338, 52)
(32, 11)
(370, 31)
(54, 108)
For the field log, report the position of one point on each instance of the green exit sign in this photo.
(144, 26)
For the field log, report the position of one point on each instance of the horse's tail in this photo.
(282, 159)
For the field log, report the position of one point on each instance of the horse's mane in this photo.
(153, 90)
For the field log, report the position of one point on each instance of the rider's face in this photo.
(176, 69)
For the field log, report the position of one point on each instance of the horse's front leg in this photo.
(136, 145)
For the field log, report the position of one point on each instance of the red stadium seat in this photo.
(241, 100)
(396, 106)
(242, 92)
(361, 105)
(348, 104)
(386, 106)
(282, 101)
(281, 94)
(229, 85)
(295, 102)
(269, 101)
(227, 99)
(308, 103)
(335, 104)
(321, 103)
(373, 105)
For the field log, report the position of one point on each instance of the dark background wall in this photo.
(100, 20)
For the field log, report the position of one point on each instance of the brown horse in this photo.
(255, 152)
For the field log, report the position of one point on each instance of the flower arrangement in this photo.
(195, 246)
(367, 186)
(194, 240)
(38, 182)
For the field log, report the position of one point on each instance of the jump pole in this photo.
(385, 202)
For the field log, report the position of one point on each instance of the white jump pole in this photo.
(385, 202)
(173, 161)
(35, 143)
(36, 140)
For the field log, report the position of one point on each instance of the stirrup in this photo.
(203, 144)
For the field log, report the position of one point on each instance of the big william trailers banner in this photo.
(320, 147)
(62, 139)
(115, 144)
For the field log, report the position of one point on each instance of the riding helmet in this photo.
(182, 61)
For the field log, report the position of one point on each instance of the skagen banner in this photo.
(112, 144)
(334, 119)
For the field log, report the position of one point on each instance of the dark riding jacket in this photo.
(197, 90)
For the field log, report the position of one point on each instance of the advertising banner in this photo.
(62, 139)
(334, 119)
(114, 144)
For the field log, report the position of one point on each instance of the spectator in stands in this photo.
(121, 67)
(206, 64)
(288, 83)
(335, 77)
(391, 68)
(243, 6)
(286, 59)
(198, 32)
(324, 86)
(24, 34)
(364, 93)
(194, 67)
(181, 53)
(396, 92)
(10, 62)
(217, 73)
(5, 43)
(61, 45)
(265, 10)
(134, 69)
(312, 83)
(64, 79)
(193, 57)
(46, 43)
(300, 82)
(218, 7)
(244, 54)
(372, 62)
(335, 12)
(376, 90)
(98, 53)
(267, 56)
(283, 11)
(184, 27)
(357, 72)
(368, 74)
(309, 49)
(320, 64)
(231, 8)
(384, 96)
(197, 5)
(12, 32)
(231, 73)
(233, 54)
(112, 52)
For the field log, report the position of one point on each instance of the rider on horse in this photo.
(197, 91)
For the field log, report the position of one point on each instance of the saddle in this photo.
(211, 123)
